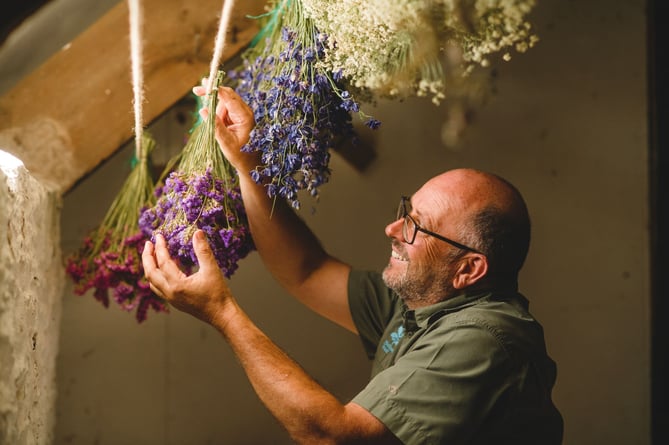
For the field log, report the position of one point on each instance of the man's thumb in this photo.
(205, 257)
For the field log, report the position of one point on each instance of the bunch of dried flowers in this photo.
(398, 48)
(201, 192)
(110, 259)
(301, 109)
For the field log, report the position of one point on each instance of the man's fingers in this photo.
(224, 137)
(148, 261)
(159, 268)
(151, 271)
(157, 291)
(222, 113)
(199, 90)
(205, 257)
(163, 258)
(238, 111)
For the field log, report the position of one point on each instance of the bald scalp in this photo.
(477, 189)
(496, 219)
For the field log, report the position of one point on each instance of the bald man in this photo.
(457, 357)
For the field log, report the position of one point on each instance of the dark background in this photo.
(658, 101)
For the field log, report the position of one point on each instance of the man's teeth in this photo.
(397, 256)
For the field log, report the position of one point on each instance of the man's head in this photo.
(474, 209)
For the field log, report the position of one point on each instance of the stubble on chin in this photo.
(388, 278)
(393, 277)
(419, 289)
(398, 282)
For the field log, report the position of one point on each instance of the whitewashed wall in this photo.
(31, 289)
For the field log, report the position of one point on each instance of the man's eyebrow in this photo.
(414, 209)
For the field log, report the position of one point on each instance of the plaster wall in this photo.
(31, 289)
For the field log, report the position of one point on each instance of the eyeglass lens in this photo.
(408, 225)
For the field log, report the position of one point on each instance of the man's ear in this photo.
(471, 269)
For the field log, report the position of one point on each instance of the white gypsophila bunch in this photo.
(485, 27)
(398, 48)
(384, 48)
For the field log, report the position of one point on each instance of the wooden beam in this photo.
(85, 89)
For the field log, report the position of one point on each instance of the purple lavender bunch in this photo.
(201, 193)
(301, 110)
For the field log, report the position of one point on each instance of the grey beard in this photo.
(419, 293)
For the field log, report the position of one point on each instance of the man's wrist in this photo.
(227, 311)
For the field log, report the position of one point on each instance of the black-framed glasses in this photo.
(410, 227)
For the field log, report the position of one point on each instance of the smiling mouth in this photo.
(397, 256)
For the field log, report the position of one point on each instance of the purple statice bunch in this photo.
(187, 202)
(301, 111)
(201, 191)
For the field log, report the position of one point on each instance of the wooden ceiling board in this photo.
(85, 89)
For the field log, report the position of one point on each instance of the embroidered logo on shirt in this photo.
(395, 337)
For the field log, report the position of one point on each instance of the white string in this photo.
(220, 42)
(137, 74)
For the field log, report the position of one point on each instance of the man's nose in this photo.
(394, 229)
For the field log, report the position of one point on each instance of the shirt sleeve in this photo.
(371, 304)
(443, 390)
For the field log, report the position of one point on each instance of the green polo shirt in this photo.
(469, 370)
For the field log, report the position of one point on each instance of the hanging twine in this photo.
(137, 74)
(136, 61)
(219, 43)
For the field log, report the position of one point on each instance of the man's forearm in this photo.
(287, 246)
(295, 257)
(308, 412)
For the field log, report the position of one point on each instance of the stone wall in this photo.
(31, 287)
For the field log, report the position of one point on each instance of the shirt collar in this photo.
(422, 317)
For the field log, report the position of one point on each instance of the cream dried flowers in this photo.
(381, 46)
(485, 27)
(399, 48)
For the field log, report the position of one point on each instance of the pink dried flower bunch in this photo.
(117, 272)
(109, 261)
